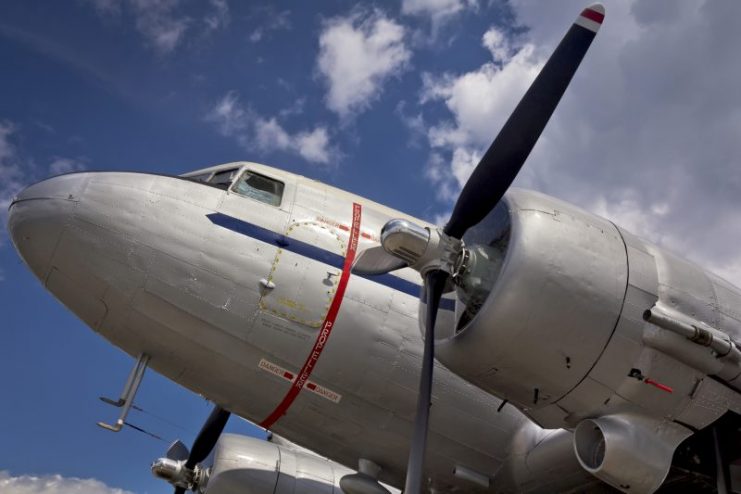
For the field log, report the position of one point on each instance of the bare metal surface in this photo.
(405, 239)
(136, 258)
(632, 453)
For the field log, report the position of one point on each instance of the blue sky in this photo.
(394, 101)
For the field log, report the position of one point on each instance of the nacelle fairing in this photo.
(550, 311)
(246, 465)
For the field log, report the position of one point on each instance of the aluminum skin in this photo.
(147, 261)
(138, 259)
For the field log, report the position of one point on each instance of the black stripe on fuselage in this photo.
(315, 253)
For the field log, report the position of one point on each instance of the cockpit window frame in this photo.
(245, 170)
(235, 172)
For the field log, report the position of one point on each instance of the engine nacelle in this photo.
(246, 465)
(534, 323)
(550, 316)
(578, 322)
(632, 453)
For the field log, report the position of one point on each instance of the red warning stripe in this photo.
(593, 15)
(326, 328)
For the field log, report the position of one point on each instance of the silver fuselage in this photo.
(181, 271)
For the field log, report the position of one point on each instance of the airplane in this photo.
(527, 346)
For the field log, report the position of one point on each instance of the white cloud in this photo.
(53, 484)
(357, 55)
(229, 115)
(66, 165)
(11, 172)
(647, 133)
(497, 43)
(415, 123)
(162, 23)
(270, 21)
(219, 18)
(436, 9)
(314, 146)
(17, 171)
(268, 134)
(479, 101)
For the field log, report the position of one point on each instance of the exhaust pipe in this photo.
(631, 452)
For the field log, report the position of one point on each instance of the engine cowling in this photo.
(550, 316)
(539, 300)
(555, 313)
(246, 465)
(630, 452)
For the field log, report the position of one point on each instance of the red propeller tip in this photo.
(591, 18)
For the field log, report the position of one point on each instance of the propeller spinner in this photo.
(437, 254)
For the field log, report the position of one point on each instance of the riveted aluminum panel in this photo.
(685, 287)
(710, 400)
(304, 288)
(86, 304)
(194, 315)
(244, 465)
(625, 346)
(728, 309)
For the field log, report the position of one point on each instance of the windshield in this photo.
(221, 179)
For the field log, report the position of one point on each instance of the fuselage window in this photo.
(259, 187)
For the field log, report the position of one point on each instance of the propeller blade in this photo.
(207, 437)
(376, 260)
(434, 285)
(177, 451)
(179, 490)
(498, 168)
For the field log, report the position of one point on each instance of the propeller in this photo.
(181, 474)
(439, 256)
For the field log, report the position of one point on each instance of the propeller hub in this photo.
(422, 248)
(178, 475)
(173, 471)
(405, 240)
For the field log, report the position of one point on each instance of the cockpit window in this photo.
(221, 179)
(224, 178)
(259, 187)
(203, 177)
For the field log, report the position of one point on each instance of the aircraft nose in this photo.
(38, 215)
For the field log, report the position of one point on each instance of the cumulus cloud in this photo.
(251, 131)
(357, 55)
(479, 102)
(53, 484)
(436, 10)
(647, 134)
(498, 44)
(162, 23)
